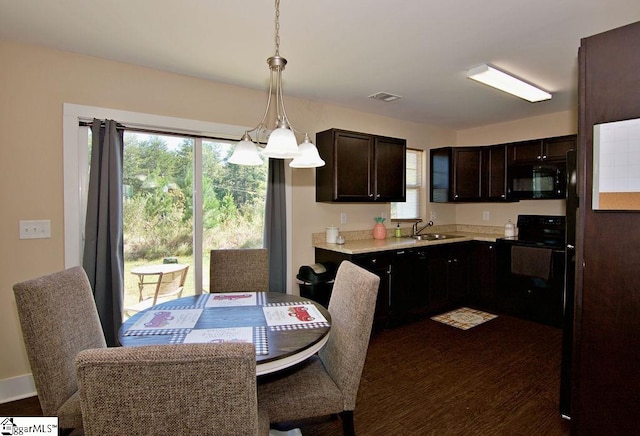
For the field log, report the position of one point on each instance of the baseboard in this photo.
(17, 388)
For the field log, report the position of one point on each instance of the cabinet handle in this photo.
(370, 195)
(378, 196)
(544, 157)
(539, 158)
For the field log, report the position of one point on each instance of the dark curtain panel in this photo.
(275, 228)
(103, 247)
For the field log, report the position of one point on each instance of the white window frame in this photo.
(75, 164)
(419, 187)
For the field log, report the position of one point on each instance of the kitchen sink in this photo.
(433, 237)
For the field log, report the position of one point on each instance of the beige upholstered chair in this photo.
(169, 285)
(186, 389)
(328, 383)
(59, 318)
(244, 270)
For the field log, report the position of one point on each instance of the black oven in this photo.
(537, 180)
(531, 268)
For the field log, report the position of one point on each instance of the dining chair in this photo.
(169, 285)
(186, 389)
(327, 383)
(58, 317)
(239, 270)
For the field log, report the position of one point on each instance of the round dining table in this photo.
(285, 329)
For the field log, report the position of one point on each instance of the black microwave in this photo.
(532, 181)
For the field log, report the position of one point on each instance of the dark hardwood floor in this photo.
(426, 378)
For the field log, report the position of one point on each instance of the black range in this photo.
(531, 268)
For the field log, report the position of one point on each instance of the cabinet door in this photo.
(389, 169)
(557, 148)
(459, 272)
(440, 175)
(449, 268)
(408, 284)
(438, 278)
(467, 173)
(379, 264)
(484, 274)
(526, 151)
(402, 271)
(353, 173)
(496, 186)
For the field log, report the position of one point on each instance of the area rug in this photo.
(464, 318)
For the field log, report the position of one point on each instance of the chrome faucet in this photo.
(416, 230)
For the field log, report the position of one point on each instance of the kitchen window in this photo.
(410, 209)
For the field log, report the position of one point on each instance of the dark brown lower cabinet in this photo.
(378, 263)
(413, 282)
(448, 272)
(483, 275)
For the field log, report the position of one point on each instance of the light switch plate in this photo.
(35, 229)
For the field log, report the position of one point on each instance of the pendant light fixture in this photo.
(281, 142)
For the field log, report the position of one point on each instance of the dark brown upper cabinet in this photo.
(468, 174)
(360, 167)
(539, 150)
(496, 165)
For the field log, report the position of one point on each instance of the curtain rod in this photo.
(159, 132)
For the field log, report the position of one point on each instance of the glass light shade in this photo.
(309, 156)
(245, 153)
(282, 144)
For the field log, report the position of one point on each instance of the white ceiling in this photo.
(342, 51)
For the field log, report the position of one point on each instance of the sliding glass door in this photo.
(181, 199)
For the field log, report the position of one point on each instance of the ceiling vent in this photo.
(384, 96)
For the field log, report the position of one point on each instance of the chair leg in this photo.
(348, 428)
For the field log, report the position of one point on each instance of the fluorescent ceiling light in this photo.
(504, 82)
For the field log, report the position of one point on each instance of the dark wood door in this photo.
(437, 279)
(448, 277)
(606, 381)
(557, 148)
(360, 167)
(484, 274)
(459, 272)
(389, 169)
(496, 185)
(353, 172)
(408, 284)
(467, 173)
(526, 151)
(380, 265)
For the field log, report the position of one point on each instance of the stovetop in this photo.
(540, 231)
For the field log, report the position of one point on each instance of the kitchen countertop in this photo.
(370, 245)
